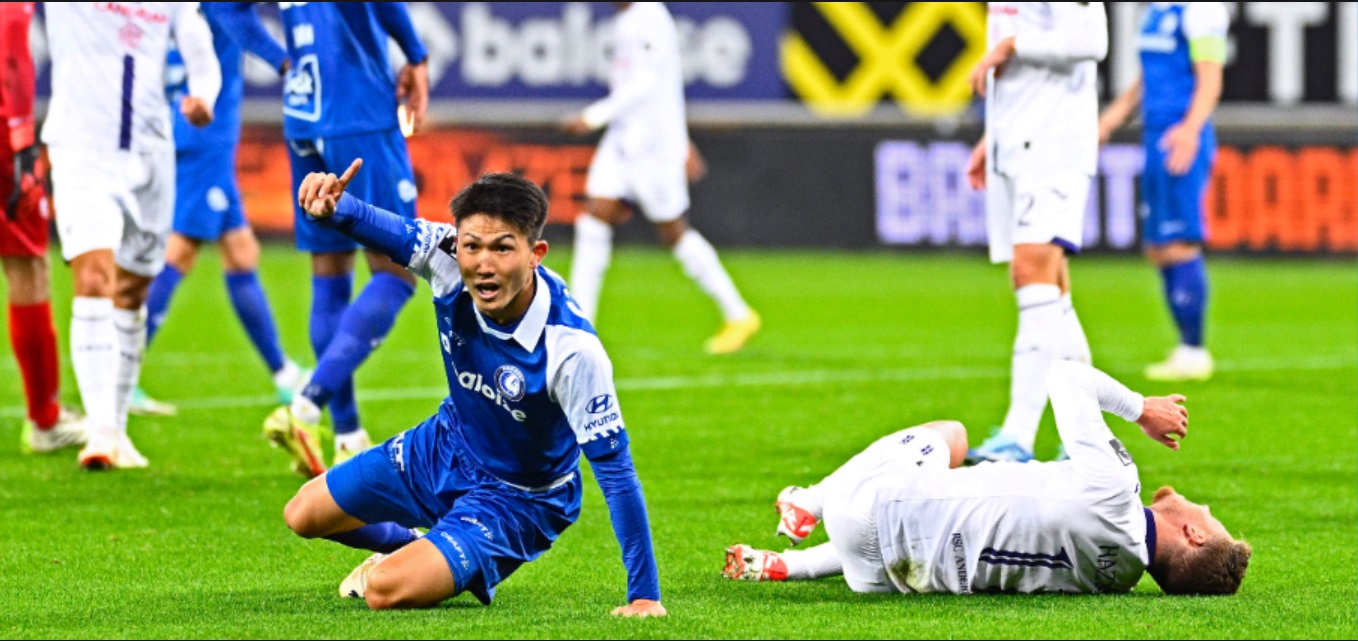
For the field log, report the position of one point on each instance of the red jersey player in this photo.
(23, 242)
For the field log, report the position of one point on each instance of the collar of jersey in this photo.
(1150, 536)
(531, 325)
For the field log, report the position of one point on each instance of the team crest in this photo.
(510, 382)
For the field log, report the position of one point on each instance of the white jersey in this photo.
(1042, 111)
(108, 72)
(1073, 526)
(644, 110)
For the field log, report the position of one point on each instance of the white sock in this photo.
(898, 450)
(815, 563)
(1076, 344)
(286, 376)
(94, 359)
(131, 328)
(1041, 335)
(700, 262)
(589, 262)
(355, 441)
(305, 410)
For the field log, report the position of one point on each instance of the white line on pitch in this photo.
(791, 378)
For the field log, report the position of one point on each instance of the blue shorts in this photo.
(1172, 206)
(386, 180)
(484, 528)
(207, 198)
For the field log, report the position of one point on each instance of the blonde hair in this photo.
(1217, 567)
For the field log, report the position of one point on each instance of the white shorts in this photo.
(658, 186)
(850, 515)
(121, 201)
(1035, 209)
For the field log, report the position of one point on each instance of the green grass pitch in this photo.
(854, 345)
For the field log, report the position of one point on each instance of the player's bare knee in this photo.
(387, 591)
(671, 232)
(955, 434)
(378, 263)
(608, 210)
(300, 518)
(240, 251)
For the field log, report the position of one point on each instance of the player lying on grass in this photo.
(901, 519)
(494, 472)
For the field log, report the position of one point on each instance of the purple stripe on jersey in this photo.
(1060, 560)
(1070, 247)
(125, 127)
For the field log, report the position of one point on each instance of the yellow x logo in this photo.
(886, 59)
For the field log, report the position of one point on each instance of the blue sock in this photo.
(252, 307)
(158, 299)
(379, 537)
(361, 330)
(329, 298)
(1186, 292)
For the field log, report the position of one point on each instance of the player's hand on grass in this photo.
(320, 192)
(994, 59)
(976, 166)
(196, 111)
(1180, 145)
(1163, 417)
(641, 608)
(412, 86)
(695, 167)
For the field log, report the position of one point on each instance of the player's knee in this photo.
(300, 518)
(671, 232)
(386, 591)
(955, 434)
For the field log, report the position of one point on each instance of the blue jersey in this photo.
(340, 82)
(529, 399)
(1166, 44)
(224, 132)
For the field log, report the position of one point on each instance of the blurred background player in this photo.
(1036, 162)
(109, 136)
(208, 210)
(23, 243)
(343, 46)
(1183, 50)
(641, 160)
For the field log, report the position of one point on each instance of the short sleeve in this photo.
(583, 386)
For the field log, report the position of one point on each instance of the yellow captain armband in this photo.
(1207, 49)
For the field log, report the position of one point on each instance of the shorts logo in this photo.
(509, 380)
(216, 200)
(600, 404)
(406, 190)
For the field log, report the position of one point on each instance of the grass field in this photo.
(855, 345)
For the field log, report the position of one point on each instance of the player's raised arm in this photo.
(584, 387)
(200, 59)
(426, 248)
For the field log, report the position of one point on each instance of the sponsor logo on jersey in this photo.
(600, 404)
(1123, 454)
(475, 383)
(302, 90)
(509, 381)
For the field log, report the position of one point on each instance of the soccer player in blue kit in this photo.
(494, 472)
(340, 100)
(208, 210)
(1183, 50)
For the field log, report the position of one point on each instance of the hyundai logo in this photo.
(600, 404)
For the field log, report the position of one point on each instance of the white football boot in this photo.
(794, 522)
(106, 451)
(1185, 363)
(744, 563)
(355, 586)
(69, 431)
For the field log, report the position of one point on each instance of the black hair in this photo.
(508, 197)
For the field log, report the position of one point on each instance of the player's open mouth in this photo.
(487, 291)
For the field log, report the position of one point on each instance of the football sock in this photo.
(158, 299)
(34, 339)
(700, 262)
(361, 330)
(94, 359)
(379, 537)
(814, 563)
(1076, 344)
(589, 262)
(1186, 291)
(1041, 333)
(131, 329)
(329, 298)
(898, 450)
(252, 307)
